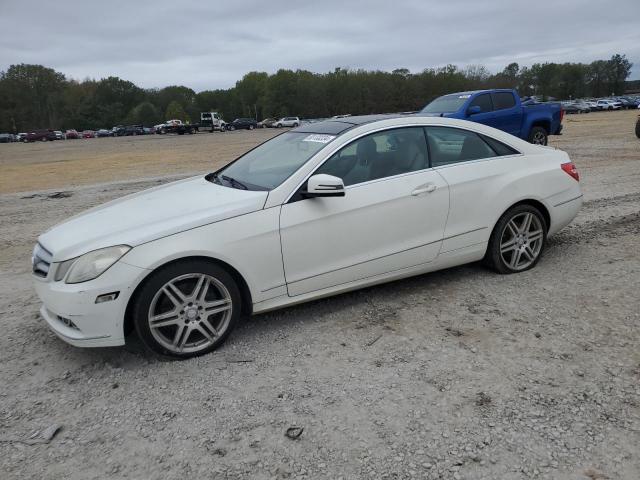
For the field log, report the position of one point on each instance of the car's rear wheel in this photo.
(250, 127)
(538, 136)
(517, 240)
(187, 309)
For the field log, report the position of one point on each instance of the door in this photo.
(392, 216)
(507, 114)
(485, 116)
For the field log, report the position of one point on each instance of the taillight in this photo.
(571, 169)
(561, 114)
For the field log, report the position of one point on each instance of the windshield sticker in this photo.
(464, 96)
(319, 138)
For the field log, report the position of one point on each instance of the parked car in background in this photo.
(183, 262)
(609, 105)
(21, 136)
(7, 138)
(501, 109)
(59, 135)
(178, 126)
(41, 135)
(71, 134)
(267, 123)
(88, 134)
(288, 122)
(128, 130)
(103, 132)
(242, 124)
(575, 107)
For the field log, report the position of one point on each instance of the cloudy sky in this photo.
(210, 44)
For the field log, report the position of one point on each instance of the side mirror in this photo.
(323, 185)
(473, 110)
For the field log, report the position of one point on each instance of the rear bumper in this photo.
(563, 213)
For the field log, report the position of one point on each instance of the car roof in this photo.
(336, 126)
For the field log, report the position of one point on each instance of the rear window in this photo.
(503, 100)
(500, 148)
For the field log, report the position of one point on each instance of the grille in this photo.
(41, 261)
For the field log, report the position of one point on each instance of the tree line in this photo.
(35, 96)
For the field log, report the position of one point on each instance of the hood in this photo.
(149, 215)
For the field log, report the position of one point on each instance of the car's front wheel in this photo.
(517, 240)
(187, 309)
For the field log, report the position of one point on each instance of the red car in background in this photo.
(72, 134)
(88, 134)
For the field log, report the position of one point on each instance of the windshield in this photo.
(446, 104)
(268, 165)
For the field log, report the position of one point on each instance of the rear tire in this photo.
(517, 240)
(539, 136)
(638, 128)
(187, 309)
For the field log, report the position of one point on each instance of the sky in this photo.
(211, 44)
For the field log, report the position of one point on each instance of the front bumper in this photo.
(72, 313)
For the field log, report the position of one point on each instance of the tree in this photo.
(145, 113)
(175, 111)
(31, 96)
(619, 69)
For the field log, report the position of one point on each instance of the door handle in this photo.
(428, 188)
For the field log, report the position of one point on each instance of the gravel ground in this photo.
(461, 374)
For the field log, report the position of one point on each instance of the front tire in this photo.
(187, 309)
(517, 241)
(538, 136)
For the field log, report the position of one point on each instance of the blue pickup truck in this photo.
(501, 109)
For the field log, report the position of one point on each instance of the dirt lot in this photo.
(459, 374)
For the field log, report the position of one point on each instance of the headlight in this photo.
(90, 265)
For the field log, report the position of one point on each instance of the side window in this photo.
(452, 145)
(483, 101)
(379, 155)
(503, 100)
(500, 148)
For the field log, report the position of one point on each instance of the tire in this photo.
(264, 126)
(223, 128)
(296, 125)
(43, 139)
(250, 127)
(539, 136)
(231, 128)
(278, 125)
(517, 241)
(638, 128)
(174, 294)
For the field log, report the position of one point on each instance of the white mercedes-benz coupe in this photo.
(319, 210)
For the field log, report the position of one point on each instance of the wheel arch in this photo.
(527, 201)
(247, 303)
(546, 124)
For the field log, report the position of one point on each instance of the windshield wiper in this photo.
(234, 183)
(215, 178)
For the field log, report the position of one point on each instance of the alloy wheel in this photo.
(538, 138)
(190, 312)
(521, 241)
